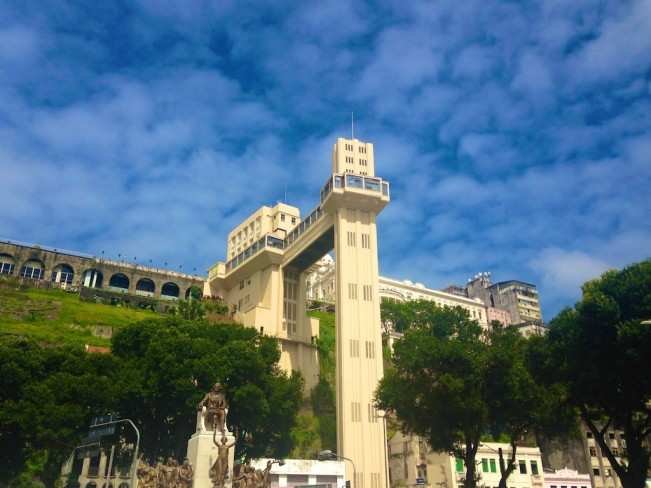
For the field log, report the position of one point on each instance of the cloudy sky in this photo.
(516, 135)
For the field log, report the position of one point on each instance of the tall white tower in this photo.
(360, 432)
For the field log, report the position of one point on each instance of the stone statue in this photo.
(185, 475)
(171, 473)
(216, 408)
(219, 470)
(147, 476)
(238, 476)
(265, 478)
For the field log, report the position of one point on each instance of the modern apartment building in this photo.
(519, 298)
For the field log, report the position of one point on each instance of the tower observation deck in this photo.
(264, 278)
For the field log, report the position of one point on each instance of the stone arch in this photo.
(170, 290)
(189, 292)
(63, 273)
(92, 278)
(146, 287)
(119, 282)
(33, 268)
(7, 264)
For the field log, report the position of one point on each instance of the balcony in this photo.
(369, 183)
(268, 241)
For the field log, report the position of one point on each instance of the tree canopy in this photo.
(453, 384)
(156, 375)
(599, 352)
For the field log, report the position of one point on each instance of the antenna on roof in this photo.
(352, 125)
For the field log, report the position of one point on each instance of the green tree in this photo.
(47, 398)
(190, 309)
(518, 404)
(436, 386)
(167, 365)
(454, 384)
(599, 352)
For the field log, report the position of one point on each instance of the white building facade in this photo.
(566, 478)
(296, 473)
(412, 464)
(321, 285)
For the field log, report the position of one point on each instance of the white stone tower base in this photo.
(202, 454)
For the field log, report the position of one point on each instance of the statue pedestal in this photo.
(202, 453)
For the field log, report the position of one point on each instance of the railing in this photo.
(335, 181)
(369, 183)
(303, 225)
(266, 241)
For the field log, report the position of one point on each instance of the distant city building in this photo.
(532, 328)
(566, 478)
(391, 289)
(321, 285)
(601, 472)
(520, 299)
(412, 463)
(499, 315)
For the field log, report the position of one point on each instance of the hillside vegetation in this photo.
(57, 317)
(317, 425)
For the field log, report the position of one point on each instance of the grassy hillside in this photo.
(55, 316)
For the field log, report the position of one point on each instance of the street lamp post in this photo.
(134, 478)
(328, 455)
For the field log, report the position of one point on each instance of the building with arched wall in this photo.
(46, 266)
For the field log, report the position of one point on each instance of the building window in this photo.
(611, 435)
(615, 451)
(484, 465)
(242, 285)
(370, 349)
(459, 465)
(588, 435)
(493, 466)
(354, 348)
(351, 239)
(356, 412)
(595, 471)
(608, 472)
(593, 451)
(534, 467)
(368, 293)
(523, 467)
(366, 241)
(352, 291)
(293, 220)
(372, 414)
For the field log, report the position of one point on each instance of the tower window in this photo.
(352, 291)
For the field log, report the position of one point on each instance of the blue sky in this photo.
(516, 135)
